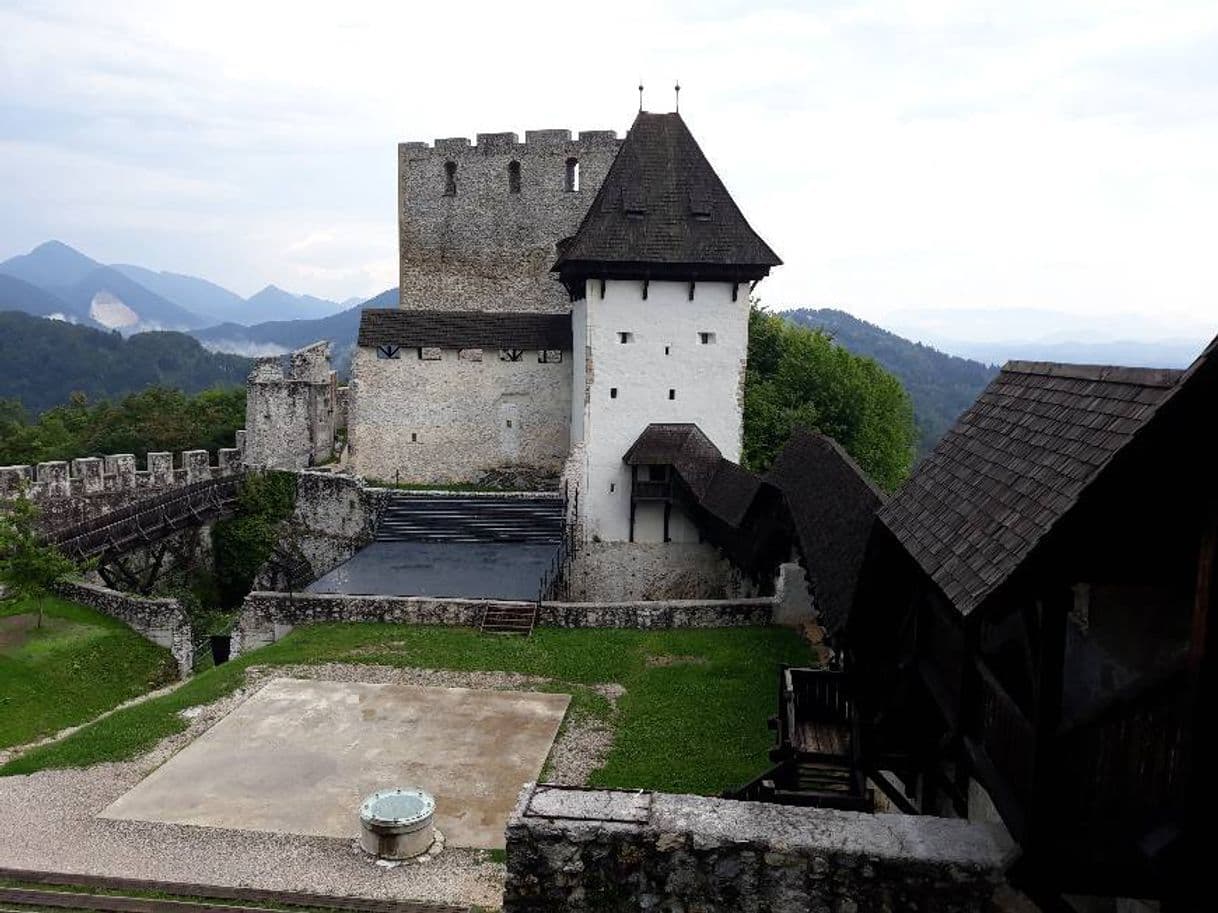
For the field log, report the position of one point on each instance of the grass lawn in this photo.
(692, 719)
(78, 664)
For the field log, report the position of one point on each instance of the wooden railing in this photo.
(1132, 756)
(819, 695)
(146, 520)
(645, 490)
(1006, 734)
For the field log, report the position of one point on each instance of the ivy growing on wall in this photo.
(243, 542)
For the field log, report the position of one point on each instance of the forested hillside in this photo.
(797, 377)
(941, 386)
(45, 361)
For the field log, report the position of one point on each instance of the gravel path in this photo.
(48, 820)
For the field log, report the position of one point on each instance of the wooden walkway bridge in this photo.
(149, 520)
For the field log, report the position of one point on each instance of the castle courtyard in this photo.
(299, 756)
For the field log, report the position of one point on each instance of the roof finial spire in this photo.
(640, 95)
(676, 90)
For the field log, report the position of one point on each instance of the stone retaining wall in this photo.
(601, 851)
(162, 621)
(333, 518)
(266, 617)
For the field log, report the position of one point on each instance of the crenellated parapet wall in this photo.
(479, 221)
(73, 491)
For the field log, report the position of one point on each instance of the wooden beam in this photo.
(1052, 610)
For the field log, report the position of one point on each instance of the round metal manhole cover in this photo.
(397, 808)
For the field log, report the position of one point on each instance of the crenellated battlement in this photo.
(117, 475)
(547, 141)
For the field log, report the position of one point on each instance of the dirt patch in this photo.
(14, 629)
(671, 659)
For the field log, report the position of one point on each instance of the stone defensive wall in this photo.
(572, 850)
(479, 221)
(162, 621)
(268, 616)
(70, 492)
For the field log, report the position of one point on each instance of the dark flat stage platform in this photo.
(495, 570)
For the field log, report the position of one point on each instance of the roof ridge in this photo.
(1118, 374)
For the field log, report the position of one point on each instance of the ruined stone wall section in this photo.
(162, 621)
(266, 617)
(603, 851)
(456, 417)
(482, 246)
(334, 517)
(292, 409)
(69, 492)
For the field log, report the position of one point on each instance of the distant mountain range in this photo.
(46, 361)
(58, 282)
(77, 289)
(278, 336)
(941, 386)
(1000, 334)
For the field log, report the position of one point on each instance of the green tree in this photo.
(799, 377)
(154, 419)
(29, 567)
(243, 542)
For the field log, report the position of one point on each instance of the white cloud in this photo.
(897, 155)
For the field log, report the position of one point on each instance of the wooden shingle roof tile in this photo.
(464, 329)
(1014, 464)
(663, 203)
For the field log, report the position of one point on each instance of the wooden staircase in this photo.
(502, 619)
(816, 757)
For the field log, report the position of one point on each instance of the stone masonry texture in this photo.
(453, 418)
(266, 616)
(602, 851)
(483, 247)
(68, 493)
(291, 409)
(162, 621)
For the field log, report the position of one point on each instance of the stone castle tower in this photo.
(493, 362)
(478, 223)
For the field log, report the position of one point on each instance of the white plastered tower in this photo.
(659, 275)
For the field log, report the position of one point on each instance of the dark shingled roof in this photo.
(464, 329)
(662, 203)
(833, 506)
(830, 503)
(722, 488)
(1014, 464)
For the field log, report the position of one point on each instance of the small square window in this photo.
(625, 338)
(613, 392)
(672, 394)
(707, 339)
(510, 354)
(389, 352)
(549, 356)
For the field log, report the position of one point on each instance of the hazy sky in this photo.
(898, 156)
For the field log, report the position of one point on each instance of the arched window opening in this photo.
(513, 177)
(450, 179)
(572, 174)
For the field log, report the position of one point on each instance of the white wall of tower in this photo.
(665, 351)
